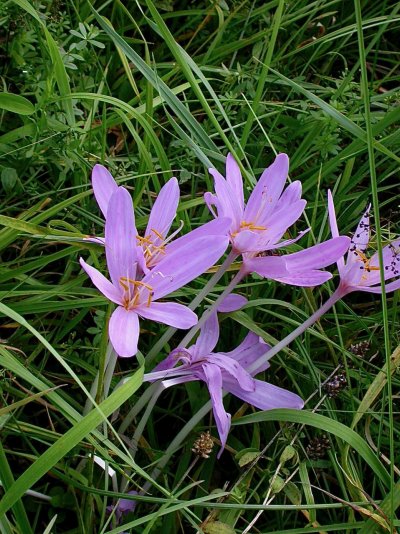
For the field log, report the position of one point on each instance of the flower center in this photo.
(150, 249)
(134, 290)
(244, 225)
(367, 267)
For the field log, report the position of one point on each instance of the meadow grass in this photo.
(156, 89)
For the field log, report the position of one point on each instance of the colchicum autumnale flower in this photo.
(136, 296)
(154, 245)
(225, 371)
(257, 228)
(360, 272)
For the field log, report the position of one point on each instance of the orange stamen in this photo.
(157, 234)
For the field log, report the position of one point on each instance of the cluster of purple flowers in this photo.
(146, 268)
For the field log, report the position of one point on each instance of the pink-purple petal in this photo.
(246, 241)
(306, 279)
(218, 227)
(391, 286)
(232, 367)
(227, 199)
(208, 338)
(163, 211)
(266, 266)
(290, 195)
(249, 351)
(267, 191)
(120, 238)
(232, 302)
(123, 330)
(318, 256)
(334, 227)
(104, 186)
(265, 396)
(212, 202)
(170, 313)
(213, 378)
(102, 283)
(234, 179)
(279, 221)
(175, 356)
(185, 263)
(332, 215)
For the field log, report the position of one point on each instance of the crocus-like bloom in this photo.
(259, 225)
(225, 371)
(137, 296)
(360, 272)
(257, 228)
(154, 245)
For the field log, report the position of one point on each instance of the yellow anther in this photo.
(143, 240)
(157, 234)
(251, 226)
(366, 262)
(128, 280)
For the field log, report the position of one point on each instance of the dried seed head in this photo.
(335, 385)
(360, 349)
(203, 445)
(317, 447)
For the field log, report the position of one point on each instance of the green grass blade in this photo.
(328, 425)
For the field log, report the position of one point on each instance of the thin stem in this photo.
(193, 305)
(337, 295)
(99, 380)
(111, 363)
(375, 205)
(138, 407)
(142, 424)
(139, 430)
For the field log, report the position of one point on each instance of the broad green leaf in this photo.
(16, 104)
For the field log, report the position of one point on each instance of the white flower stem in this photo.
(337, 295)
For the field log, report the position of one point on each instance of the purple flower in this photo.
(224, 371)
(136, 297)
(359, 272)
(154, 245)
(270, 210)
(257, 228)
(123, 507)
